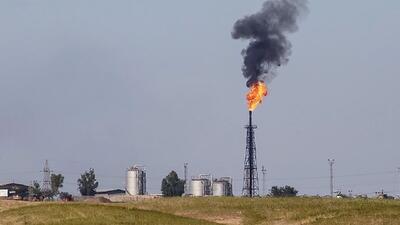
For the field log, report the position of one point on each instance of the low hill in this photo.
(89, 214)
(281, 211)
(206, 211)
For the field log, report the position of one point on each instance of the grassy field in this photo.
(90, 214)
(281, 211)
(165, 211)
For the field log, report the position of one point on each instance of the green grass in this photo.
(197, 211)
(90, 214)
(283, 210)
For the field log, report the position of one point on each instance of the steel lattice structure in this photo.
(250, 177)
(46, 185)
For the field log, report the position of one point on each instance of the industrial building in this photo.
(222, 187)
(201, 185)
(136, 181)
(14, 191)
(204, 185)
(108, 193)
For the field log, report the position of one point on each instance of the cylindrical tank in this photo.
(220, 188)
(198, 187)
(135, 181)
(132, 184)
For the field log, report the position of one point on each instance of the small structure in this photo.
(201, 185)
(136, 181)
(383, 195)
(15, 191)
(222, 187)
(3, 193)
(108, 193)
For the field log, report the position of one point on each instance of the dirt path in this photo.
(222, 219)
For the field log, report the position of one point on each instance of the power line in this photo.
(235, 179)
(336, 176)
(292, 179)
(108, 176)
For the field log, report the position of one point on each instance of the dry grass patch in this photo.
(9, 204)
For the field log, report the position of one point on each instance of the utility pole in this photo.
(185, 166)
(398, 171)
(46, 186)
(264, 173)
(331, 162)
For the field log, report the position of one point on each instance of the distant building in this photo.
(222, 187)
(15, 191)
(108, 193)
(136, 180)
(201, 185)
(3, 193)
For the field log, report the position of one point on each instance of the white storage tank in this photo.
(222, 186)
(201, 186)
(219, 188)
(136, 181)
(198, 187)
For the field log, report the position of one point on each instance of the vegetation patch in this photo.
(90, 214)
(206, 211)
(286, 211)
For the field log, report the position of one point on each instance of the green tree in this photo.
(57, 181)
(35, 191)
(171, 185)
(286, 191)
(87, 184)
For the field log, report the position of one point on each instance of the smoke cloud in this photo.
(266, 30)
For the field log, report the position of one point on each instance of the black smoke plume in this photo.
(266, 30)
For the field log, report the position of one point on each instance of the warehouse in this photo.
(14, 191)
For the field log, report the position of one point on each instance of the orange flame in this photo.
(256, 94)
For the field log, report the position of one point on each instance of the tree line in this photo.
(87, 185)
(171, 186)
